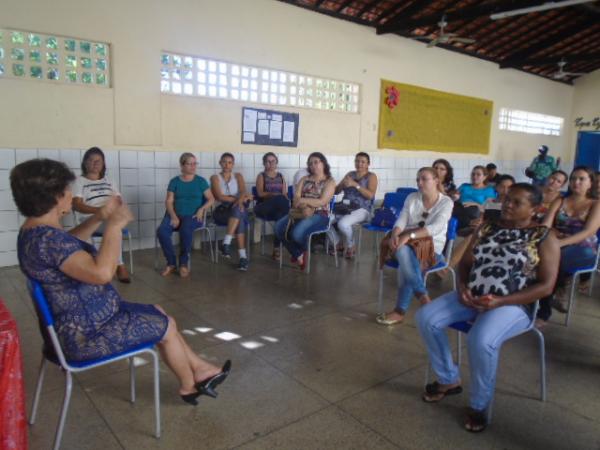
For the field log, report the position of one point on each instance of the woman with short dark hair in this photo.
(91, 190)
(91, 319)
(508, 266)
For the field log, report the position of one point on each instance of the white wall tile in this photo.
(145, 159)
(49, 153)
(9, 221)
(26, 154)
(162, 160)
(207, 160)
(8, 259)
(163, 176)
(146, 211)
(7, 158)
(147, 228)
(247, 161)
(72, 158)
(205, 173)
(133, 207)
(4, 179)
(130, 194)
(128, 159)
(111, 158)
(147, 177)
(174, 159)
(129, 177)
(6, 201)
(8, 241)
(146, 194)
(159, 207)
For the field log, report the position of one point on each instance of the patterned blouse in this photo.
(314, 189)
(273, 185)
(569, 225)
(505, 259)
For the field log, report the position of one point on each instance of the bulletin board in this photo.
(266, 127)
(416, 118)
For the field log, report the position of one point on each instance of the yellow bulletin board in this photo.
(416, 118)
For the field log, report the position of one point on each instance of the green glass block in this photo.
(164, 59)
(70, 45)
(52, 43)
(1, 53)
(36, 72)
(34, 56)
(100, 49)
(1, 36)
(17, 54)
(188, 62)
(85, 47)
(71, 61)
(87, 78)
(164, 74)
(53, 74)
(17, 37)
(100, 78)
(176, 60)
(101, 64)
(1, 69)
(18, 70)
(72, 76)
(86, 63)
(52, 58)
(35, 40)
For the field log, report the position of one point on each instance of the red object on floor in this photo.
(13, 422)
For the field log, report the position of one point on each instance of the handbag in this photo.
(343, 209)
(221, 213)
(295, 215)
(423, 248)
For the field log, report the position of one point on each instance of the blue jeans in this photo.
(410, 277)
(236, 213)
(572, 257)
(299, 234)
(187, 225)
(489, 331)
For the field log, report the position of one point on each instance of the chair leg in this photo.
(156, 393)
(38, 390)
(64, 409)
(380, 293)
(540, 336)
(308, 255)
(132, 379)
(280, 255)
(458, 348)
(130, 253)
(453, 273)
(359, 242)
(263, 233)
(571, 299)
(155, 253)
(212, 255)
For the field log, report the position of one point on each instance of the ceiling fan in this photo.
(561, 73)
(441, 37)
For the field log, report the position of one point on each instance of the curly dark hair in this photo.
(534, 192)
(449, 170)
(321, 156)
(37, 184)
(87, 155)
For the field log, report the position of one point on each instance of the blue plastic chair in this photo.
(325, 230)
(406, 190)
(445, 264)
(392, 201)
(576, 273)
(465, 327)
(52, 352)
(263, 225)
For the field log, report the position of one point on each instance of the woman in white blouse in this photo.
(425, 213)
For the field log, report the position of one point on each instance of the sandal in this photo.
(382, 319)
(434, 394)
(168, 271)
(276, 254)
(350, 251)
(476, 421)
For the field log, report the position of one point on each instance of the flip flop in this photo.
(381, 319)
(476, 421)
(434, 394)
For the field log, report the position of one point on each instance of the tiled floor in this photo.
(312, 370)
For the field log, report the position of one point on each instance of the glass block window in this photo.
(38, 56)
(206, 77)
(530, 122)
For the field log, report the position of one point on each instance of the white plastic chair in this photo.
(52, 352)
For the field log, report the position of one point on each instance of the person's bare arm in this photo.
(218, 193)
(84, 267)
(592, 224)
(210, 200)
(551, 213)
(170, 206)
(324, 199)
(298, 193)
(80, 206)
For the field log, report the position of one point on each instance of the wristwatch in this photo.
(412, 235)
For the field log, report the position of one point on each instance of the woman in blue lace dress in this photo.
(91, 319)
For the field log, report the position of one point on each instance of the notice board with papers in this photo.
(266, 127)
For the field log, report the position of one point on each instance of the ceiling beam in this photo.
(466, 13)
(521, 56)
(569, 58)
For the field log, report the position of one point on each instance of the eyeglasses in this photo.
(271, 161)
(190, 164)
(424, 216)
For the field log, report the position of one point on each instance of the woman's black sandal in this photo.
(434, 394)
(476, 421)
(191, 398)
(208, 386)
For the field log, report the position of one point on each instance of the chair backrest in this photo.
(406, 190)
(255, 193)
(291, 192)
(395, 201)
(450, 238)
(41, 305)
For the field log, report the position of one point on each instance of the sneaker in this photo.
(226, 250)
(243, 265)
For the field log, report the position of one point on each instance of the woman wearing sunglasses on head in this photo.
(425, 215)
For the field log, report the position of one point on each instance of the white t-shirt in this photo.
(93, 192)
(436, 219)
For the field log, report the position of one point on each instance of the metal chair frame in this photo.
(450, 238)
(47, 322)
(464, 327)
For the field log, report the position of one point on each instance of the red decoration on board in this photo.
(392, 97)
